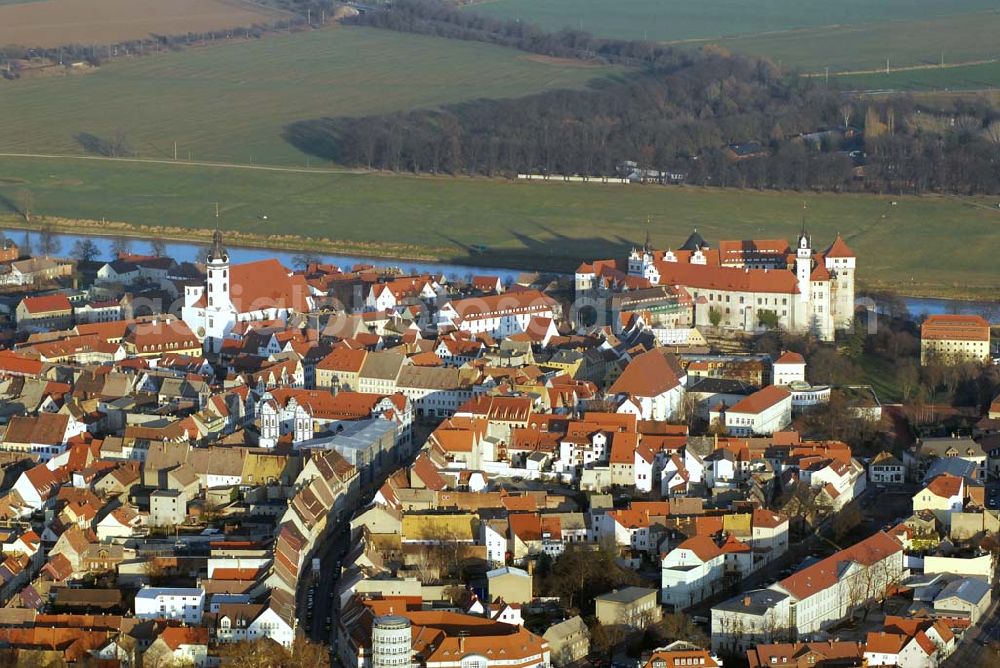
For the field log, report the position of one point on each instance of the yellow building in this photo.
(952, 339)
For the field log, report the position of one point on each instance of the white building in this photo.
(497, 315)
(691, 572)
(762, 413)
(812, 599)
(178, 603)
(787, 369)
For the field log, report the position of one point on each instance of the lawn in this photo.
(925, 246)
(964, 77)
(881, 375)
(805, 35)
(230, 102)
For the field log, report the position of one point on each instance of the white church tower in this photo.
(219, 309)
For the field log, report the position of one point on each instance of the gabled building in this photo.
(691, 572)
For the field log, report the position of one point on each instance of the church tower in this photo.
(218, 306)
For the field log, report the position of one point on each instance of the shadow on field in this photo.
(10, 205)
(545, 250)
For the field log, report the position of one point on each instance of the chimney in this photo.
(461, 643)
(746, 601)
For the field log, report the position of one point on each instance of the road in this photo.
(313, 617)
(331, 552)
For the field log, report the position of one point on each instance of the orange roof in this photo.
(266, 284)
(47, 304)
(945, 485)
(106, 330)
(707, 277)
(824, 574)
(767, 519)
(343, 359)
(955, 327)
(839, 249)
(702, 546)
(235, 574)
(523, 301)
(526, 526)
(623, 447)
(761, 400)
(630, 518)
(681, 658)
(175, 636)
(647, 375)
(13, 363)
(885, 643)
(790, 358)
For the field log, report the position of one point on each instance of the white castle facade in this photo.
(747, 285)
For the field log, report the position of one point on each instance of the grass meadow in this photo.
(230, 102)
(927, 245)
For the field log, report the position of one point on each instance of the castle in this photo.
(745, 285)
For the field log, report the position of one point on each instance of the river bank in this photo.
(184, 244)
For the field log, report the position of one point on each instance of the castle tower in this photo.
(803, 265)
(841, 263)
(391, 642)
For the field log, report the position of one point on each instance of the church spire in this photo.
(218, 252)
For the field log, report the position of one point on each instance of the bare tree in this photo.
(85, 250)
(120, 246)
(846, 111)
(48, 242)
(25, 202)
(158, 247)
(303, 259)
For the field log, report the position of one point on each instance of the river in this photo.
(187, 252)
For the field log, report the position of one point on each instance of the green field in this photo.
(964, 38)
(674, 20)
(805, 34)
(230, 102)
(964, 77)
(912, 246)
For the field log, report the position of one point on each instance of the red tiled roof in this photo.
(823, 574)
(945, 485)
(266, 284)
(47, 304)
(839, 249)
(955, 327)
(707, 277)
(790, 358)
(761, 400)
(703, 547)
(647, 375)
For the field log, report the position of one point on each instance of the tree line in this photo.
(679, 111)
(443, 19)
(12, 56)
